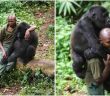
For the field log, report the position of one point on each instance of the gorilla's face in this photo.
(99, 16)
(21, 29)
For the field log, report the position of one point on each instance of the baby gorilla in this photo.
(24, 49)
(105, 41)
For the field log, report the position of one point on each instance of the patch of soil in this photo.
(10, 90)
(44, 42)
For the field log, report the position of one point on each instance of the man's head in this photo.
(11, 20)
(105, 37)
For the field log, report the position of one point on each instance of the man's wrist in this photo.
(28, 30)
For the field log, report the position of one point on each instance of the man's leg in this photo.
(11, 65)
(94, 72)
(6, 67)
(29, 55)
(2, 66)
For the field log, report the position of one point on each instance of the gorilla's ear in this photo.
(92, 13)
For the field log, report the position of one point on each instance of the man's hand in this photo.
(4, 55)
(99, 80)
(27, 34)
(106, 71)
(107, 62)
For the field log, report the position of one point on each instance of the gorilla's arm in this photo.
(79, 65)
(95, 48)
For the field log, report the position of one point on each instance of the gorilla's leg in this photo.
(12, 57)
(29, 55)
(17, 51)
(79, 65)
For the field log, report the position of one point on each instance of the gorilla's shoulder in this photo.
(23, 25)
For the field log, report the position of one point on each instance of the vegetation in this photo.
(65, 79)
(26, 80)
(67, 83)
(72, 10)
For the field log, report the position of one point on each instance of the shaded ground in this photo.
(10, 90)
(44, 58)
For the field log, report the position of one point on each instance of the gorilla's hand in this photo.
(89, 53)
(94, 53)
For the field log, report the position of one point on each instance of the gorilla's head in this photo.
(99, 15)
(21, 29)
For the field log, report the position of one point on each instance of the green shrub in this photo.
(67, 7)
(50, 32)
(63, 57)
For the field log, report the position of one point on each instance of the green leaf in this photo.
(72, 8)
(61, 8)
(68, 7)
(65, 11)
(74, 2)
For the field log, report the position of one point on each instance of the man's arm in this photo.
(106, 71)
(27, 34)
(2, 36)
(3, 51)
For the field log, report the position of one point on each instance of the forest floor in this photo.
(44, 57)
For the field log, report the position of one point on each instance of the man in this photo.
(97, 73)
(6, 38)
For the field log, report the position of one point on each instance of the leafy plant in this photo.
(41, 85)
(65, 76)
(72, 10)
(67, 7)
(50, 32)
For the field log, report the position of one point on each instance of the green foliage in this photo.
(8, 6)
(72, 10)
(18, 8)
(63, 31)
(35, 83)
(64, 74)
(106, 5)
(10, 78)
(66, 7)
(38, 84)
(50, 32)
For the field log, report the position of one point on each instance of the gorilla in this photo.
(24, 49)
(85, 38)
